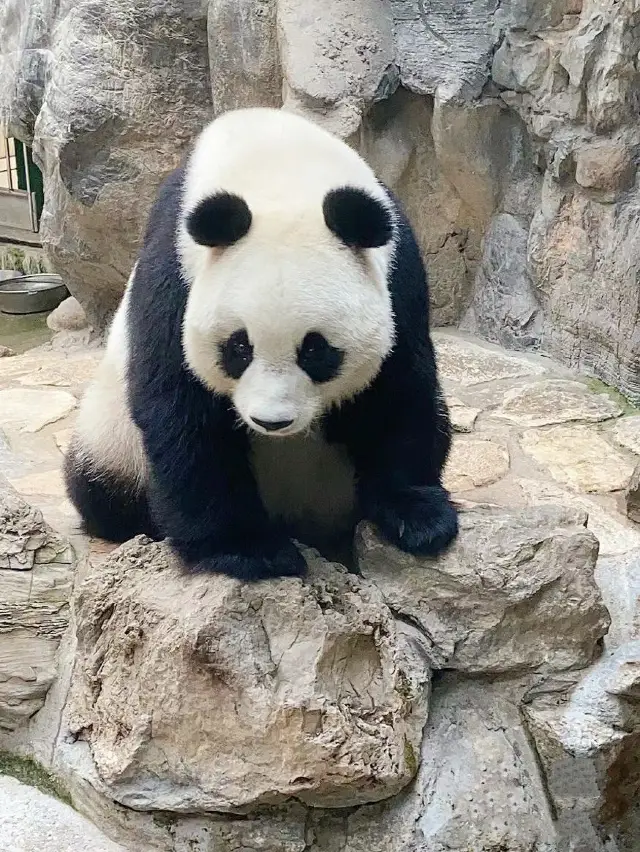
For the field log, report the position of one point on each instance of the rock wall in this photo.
(36, 579)
(508, 127)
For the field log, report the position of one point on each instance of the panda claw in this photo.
(419, 521)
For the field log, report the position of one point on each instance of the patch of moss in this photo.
(598, 386)
(410, 757)
(30, 772)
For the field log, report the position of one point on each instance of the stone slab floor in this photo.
(527, 432)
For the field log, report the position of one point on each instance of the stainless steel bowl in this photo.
(32, 294)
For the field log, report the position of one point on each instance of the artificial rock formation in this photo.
(480, 612)
(509, 131)
(36, 577)
(299, 715)
(201, 693)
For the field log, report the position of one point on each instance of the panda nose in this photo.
(272, 425)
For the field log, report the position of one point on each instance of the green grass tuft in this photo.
(30, 772)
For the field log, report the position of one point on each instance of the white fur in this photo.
(289, 275)
(105, 433)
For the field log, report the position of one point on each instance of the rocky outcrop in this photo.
(509, 133)
(200, 693)
(36, 577)
(299, 715)
(515, 592)
(109, 95)
(478, 787)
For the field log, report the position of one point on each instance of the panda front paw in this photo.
(421, 521)
(262, 561)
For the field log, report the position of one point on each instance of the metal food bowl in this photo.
(32, 294)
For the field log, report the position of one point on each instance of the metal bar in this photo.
(7, 154)
(32, 212)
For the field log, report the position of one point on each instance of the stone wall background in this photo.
(509, 128)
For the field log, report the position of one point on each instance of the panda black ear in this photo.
(219, 221)
(357, 218)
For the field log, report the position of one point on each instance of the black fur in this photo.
(110, 508)
(220, 220)
(236, 353)
(356, 218)
(203, 495)
(320, 361)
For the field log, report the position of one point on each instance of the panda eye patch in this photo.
(319, 360)
(236, 353)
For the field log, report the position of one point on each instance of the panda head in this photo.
(289, 311)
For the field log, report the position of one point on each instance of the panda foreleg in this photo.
(398, 436)
(202, 492)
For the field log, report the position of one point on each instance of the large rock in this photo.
(198, 693)
(118, 90)
(554, 401)
(36, 579)
(516, 591)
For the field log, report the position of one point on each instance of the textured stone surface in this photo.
(556, 401)
(36, 577)
(68, 316)
(614, 534)
(473, 463)
(109, 95)
(463, 417)
(618, 577)
(34, 822)
(627, 433)
(30, 409)
(334, 57)
(605, 164)
(46, 482)
(477, 788)
(316, 695)
(589, 750)
(579, 458)
(244, 62)
(515, 591)
(632, 496)
(466, 363)
(505, 307)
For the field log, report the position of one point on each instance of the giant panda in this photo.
(269, 375)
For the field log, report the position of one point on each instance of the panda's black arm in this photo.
(397, 432)
(202, 493)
